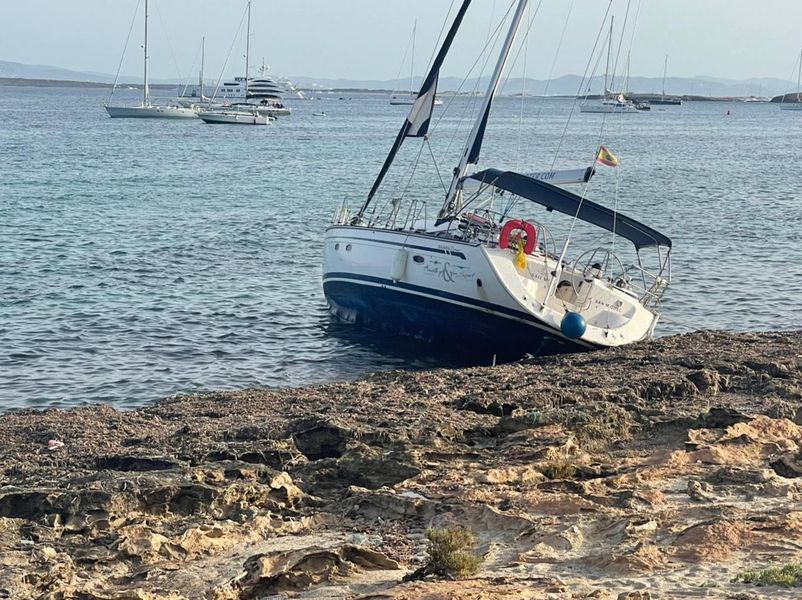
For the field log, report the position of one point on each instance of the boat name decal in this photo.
(448, 272)
(614, 306)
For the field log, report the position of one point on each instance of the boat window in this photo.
(417, 258)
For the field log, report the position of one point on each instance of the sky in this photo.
(366, 39)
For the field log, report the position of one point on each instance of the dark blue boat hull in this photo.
(476, 330)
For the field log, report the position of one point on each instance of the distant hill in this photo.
(13, 70)
(567, 85)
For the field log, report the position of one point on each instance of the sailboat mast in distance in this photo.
(609, 52)
(203, 60)
(799, 77)
(412, 62)
(146, 91)
(247, 50)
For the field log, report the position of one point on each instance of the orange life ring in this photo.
(518, 225)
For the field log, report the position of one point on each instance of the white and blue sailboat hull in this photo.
(439, 290)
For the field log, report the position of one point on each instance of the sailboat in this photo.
(662, 98)
(409, 99)
(478, 277)
(241, 113)
(610, 102)
(798, 104)
(149, 110)
(197, 97)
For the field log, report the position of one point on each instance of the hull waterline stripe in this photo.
(456, 299)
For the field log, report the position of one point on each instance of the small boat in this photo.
(235, 115)
(148, 110)
(797, 105)
(477, 276)
(274, 107)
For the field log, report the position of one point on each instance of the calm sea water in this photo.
(144, 258)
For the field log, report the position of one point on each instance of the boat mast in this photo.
(412, 62)
(665, 68)
(799, 77)
(247, 50)
(609, 52)
(626, 79)
(474, 144)
(203, 59)
(146, 91)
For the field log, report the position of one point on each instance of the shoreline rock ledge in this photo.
(661, 470)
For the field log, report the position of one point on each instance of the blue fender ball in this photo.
(573, 325)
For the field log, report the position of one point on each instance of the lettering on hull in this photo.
(448, 272)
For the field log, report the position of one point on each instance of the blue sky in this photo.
(365, 39)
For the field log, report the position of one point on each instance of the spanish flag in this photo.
(606, 157)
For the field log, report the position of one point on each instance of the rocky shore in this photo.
(663, 470)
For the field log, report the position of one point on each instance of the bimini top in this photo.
(555, 198)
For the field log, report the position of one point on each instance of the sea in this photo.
(143, 259)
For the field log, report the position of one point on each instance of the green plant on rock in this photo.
(452, 554)
(558, 467)
(789, 575)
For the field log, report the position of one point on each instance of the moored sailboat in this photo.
(662, 98)
(240, 113)
(476, 276)
(797, 105)
(148, 110)
(409, 99)
(611, 102)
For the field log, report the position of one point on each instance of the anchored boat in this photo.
(408, 99)
(795, 104)
(237, 114)
(476, 275)
(256, 101)
(147, 110)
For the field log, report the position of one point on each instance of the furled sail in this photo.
(420, 115)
